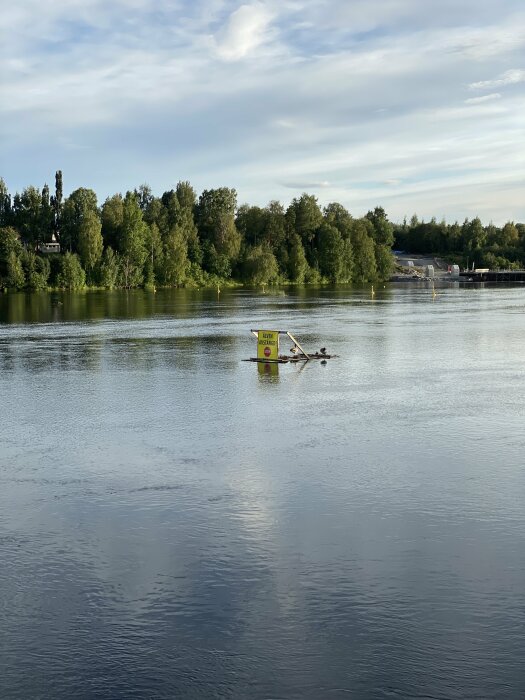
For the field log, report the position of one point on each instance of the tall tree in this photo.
(27, 215)
(5, 205)
(71, 275)
(216, 224)
(10, 250)
(176, 262)
(260, 265)
(187, 199)
(251, 223)
(90, 243)
(56, 204)
(336, 215)
(46, 216)
(81, 203)
(133, 242)
(304, 217)
(330, 247)
(36, 270)
(383, 231)
(297, 263)
(473, 234)
(109, 268)
(364, 253)
(144, 196)
(112, 216)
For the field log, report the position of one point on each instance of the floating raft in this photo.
(268, 349)
(283, 359)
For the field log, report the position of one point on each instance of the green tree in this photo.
(364, 253)
(112, 216)
(46, 216)
(176, 264)
(217, 263)
(155, 255)
(297, 263)
(5, 205)
(109, 269)
(216, 225)
(71, 275)
(509, 234)
(473, 234)
(80, 204)
(251, 223)
(27, 217)
(304, 217)
(383, 231)
(186, 195)
(132, 242)
(36, 270)
(347, 261)
(187, 199)
(56, 204)
(275, 226)
(15, 276)
(384, 261)
(90, 243)
(259, 265)
(144, 197)
(336, 215)
(330, 252)
(9, 243)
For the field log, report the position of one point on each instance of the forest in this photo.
(179, 239)
(183, 240)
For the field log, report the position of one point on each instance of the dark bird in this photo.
(323, 351)
(324, 362)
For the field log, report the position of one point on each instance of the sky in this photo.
(414, 105)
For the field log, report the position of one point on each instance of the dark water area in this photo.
(175, 522)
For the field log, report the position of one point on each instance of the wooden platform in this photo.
(283, 359)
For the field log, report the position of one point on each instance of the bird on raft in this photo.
(323, 351)
(294, 350)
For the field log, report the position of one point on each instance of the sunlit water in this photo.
(175, 522)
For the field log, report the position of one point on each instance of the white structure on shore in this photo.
(52, 247)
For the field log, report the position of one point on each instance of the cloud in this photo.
(356, 100)
(510, 77)
(244, 31)
(306, 185)
(483, 98)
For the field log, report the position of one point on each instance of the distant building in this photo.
(52, 247)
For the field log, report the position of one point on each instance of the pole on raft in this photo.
(300, 348)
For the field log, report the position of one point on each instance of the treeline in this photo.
(180, 239)
(469, 243)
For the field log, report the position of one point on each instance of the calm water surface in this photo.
(175, 522)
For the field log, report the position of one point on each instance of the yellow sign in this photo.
(267, 345)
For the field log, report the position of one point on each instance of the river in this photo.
(175, 522)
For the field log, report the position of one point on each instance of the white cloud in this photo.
(483, 98)
(265, 96)
(244, 31)
(306, 185)
(510, 77)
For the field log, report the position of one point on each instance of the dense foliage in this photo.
(180, 239)
(470, 243)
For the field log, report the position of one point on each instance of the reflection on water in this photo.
(175, 522)
(268, 371)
